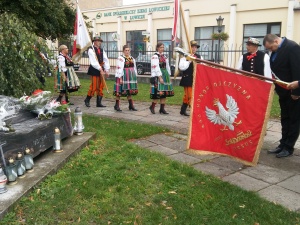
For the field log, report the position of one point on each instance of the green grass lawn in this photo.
(144, 95)
(113, 181)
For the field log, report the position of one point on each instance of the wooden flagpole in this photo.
(186, 34)
(185, 28)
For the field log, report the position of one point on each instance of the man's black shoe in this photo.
(284, 153)
(275, 151)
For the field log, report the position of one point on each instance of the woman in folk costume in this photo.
(161, 86)
(126, 81)
(67, 80)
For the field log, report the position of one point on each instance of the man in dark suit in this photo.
(285, 64)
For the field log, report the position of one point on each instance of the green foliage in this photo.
(19, 60)
(47, 19)
(222, 36)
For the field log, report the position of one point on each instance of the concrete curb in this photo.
(47, 163)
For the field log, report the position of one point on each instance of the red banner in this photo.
(229, 114)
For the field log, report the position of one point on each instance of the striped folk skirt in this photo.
(129, 86)
(158, 90)
(67, 81)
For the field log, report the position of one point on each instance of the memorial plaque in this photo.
(29, 131)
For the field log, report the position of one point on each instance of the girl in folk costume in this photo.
(126, 81)
(67, 80)
(161, 86)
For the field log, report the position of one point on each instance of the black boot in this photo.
(117, 106)
(59, 98)
(152, 107)
(131, 107)
(162, 109)
(87, 101)
(67, 100)
(99, 99)
(183, 109)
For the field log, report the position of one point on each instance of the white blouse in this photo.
(120, 66)
(184, 64)
(61, 63)
(155, 69)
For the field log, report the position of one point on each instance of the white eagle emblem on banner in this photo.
(225, 117)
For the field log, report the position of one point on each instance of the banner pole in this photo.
(185, 28)
(239, 71)
(188, 56)
(186, 34)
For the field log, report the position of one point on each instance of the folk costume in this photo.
(67, 80)
(127, 72)
(160, 68)
(257, 62)
(98, 61)
(188, 71)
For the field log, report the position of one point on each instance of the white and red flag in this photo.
(176, 16)
(229, 114)
(82, 40)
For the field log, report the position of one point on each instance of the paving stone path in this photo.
(277, 180)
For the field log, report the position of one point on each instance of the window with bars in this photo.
(259, 31)
(209, 48)
(109, 45)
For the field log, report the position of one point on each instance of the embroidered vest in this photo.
(256, 64)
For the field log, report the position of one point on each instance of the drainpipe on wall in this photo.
(232, 33)
(187, 23)
(94, 27)
(290, 20)
(120, 34)
(150, 29)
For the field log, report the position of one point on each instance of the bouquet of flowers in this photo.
(41, 103)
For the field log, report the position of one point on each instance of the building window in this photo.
(109, 45)
(259, 31)
(135, 41)
(165, 36)
(209, 48)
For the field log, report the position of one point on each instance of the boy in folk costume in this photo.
(187, 77)
(99, 65)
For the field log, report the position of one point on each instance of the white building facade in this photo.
(242, 19)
